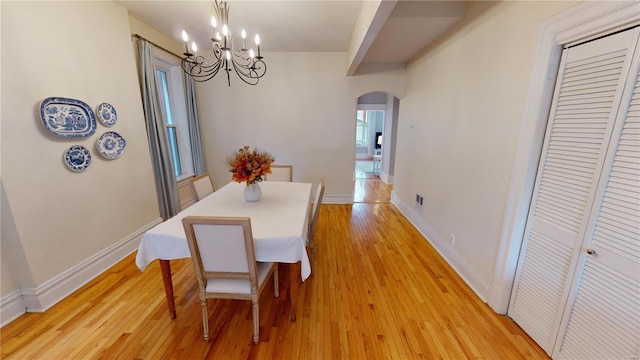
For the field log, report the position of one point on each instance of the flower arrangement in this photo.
(249, 165)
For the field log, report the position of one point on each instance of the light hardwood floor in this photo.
(379, 291)
(371, 190)
(368, 188)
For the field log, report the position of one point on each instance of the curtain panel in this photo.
(165, 180)
(199, 166)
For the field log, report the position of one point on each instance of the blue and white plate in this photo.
(67, 118)
(77, 158)
(107, 114)
(111, 145)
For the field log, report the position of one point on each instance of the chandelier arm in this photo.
(250, 75)
(260, 67)
(250, 67)
(247, 79)
(217, 51)
(198, 66)
(198, 69)
(249, 72)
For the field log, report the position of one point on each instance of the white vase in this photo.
(252, 192)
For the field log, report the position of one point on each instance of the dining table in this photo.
(279, 223)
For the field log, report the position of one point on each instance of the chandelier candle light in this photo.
(244, 62)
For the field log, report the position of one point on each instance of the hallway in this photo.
(368, 188)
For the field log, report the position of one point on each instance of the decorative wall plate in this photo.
(67, 118)
(77, 158)
(107, 114)
(111, 145)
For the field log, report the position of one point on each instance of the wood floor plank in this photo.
(378, 291)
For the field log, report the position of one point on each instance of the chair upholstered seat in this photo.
(238, 286)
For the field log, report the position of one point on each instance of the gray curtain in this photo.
(199, 167)
(163, 171)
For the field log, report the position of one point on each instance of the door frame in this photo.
(585, 21)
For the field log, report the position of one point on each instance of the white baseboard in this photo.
(11, 307)
(451, 256)
(337, 199)
(386, 178)
(499, 298)
(44, 296)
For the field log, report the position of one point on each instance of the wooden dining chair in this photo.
(224, 259)
(201, 186)
(185, 193)
(280, 173)
(315, 211)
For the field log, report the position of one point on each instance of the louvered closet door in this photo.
(603, 322)
(587, 95)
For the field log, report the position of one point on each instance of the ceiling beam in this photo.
(371, 19)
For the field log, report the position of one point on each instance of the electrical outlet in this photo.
(419, 199)
(452, 239)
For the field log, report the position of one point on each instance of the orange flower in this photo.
(249, 166)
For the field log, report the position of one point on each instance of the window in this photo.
(362, 128)
(171, 92)
(369, 124)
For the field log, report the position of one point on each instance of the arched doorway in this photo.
(376, 123)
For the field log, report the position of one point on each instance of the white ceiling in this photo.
(309, 25)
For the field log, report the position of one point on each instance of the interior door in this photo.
(607, 294)
(588, 93)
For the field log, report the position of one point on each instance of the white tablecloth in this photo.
(279, 223)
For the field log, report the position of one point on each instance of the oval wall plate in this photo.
(67, 118)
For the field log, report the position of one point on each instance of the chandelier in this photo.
(244, 62)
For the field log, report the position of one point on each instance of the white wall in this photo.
(14, 270)
(459, 125)
(302, 111)
(52, 218)
(390, 139)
